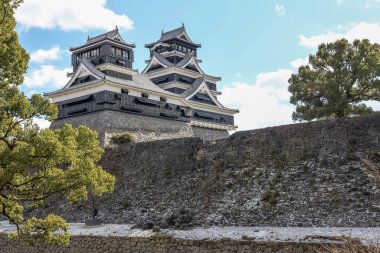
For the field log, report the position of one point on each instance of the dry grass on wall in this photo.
(350, 246)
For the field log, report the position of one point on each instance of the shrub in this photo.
(323, 162)
(277, 178)
(340, 161)
(336, 199)
(270, 197)
(123, 138)
(126, 203)
(352, 141)
(373, 156)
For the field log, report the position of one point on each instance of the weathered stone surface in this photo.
(145, 128)
(296, 175)
(92, 244)
(209, 134)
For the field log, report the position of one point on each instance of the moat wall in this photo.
(295, 175)
(96, 244)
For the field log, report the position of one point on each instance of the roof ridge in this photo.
(176, 29)
(174, 34)
(103, 34)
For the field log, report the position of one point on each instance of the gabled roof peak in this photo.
(113, 35)
(177, 33)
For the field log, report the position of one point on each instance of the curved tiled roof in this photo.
(185, 60)
(167, 63)
(138, 80)
(162, 59)
(193, 87)
(108, 35)
(92, 68)
(173, 34)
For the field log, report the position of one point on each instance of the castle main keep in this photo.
(172, 97)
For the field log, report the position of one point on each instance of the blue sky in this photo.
(254, 45)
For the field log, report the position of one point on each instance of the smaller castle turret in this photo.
(106, 48)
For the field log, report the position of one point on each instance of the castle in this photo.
(172, 97)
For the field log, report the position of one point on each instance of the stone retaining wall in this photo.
(94, 244)
(325, 137)
(145, 128)
(209, 134)
(301, 175)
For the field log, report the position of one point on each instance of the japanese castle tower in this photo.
(172, 97)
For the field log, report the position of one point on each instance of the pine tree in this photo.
(339, 77)
(38, 164)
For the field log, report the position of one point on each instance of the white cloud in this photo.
(280, 9)
(32, 92)
(262, 104)
(370, 3)
(299, 62)
(42, 55)
(47, 75)
(70, 15)
(357, 31)
(42, 123)
(374, 104)
(359, 3)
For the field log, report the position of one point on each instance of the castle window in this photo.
(95, 52)
(84, 55)
(124, 91)
(163, 99)
(126, 54)
(120, 52)
(144, 95)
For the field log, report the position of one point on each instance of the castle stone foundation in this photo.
(145, 128)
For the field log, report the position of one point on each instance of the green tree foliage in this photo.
(38, 164)
(123, 138)
(339, 77)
